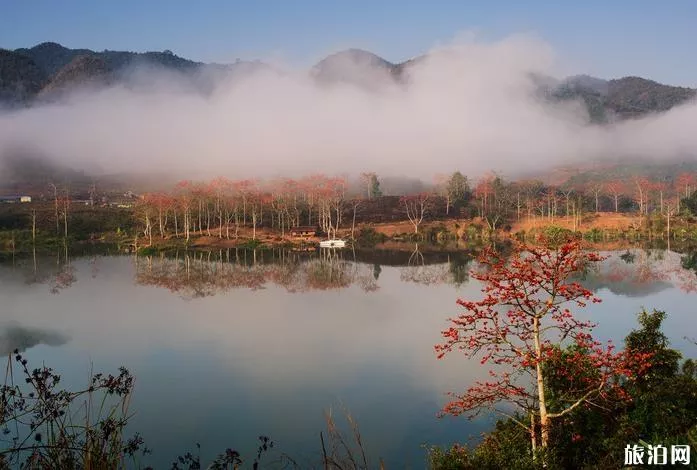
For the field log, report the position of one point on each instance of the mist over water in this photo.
(469, 105)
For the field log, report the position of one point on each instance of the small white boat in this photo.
(334, 243)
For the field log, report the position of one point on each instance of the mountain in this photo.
(635, 96)
(84, 71)
(24, 169)
(355, 67)
(52, 57)
(49, 70)
(21, 78)
(624, 98)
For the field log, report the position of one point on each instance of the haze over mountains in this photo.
(46, 71)
(468, 106)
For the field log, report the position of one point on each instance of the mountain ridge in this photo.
(29, 75)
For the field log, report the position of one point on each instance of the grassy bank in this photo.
(28, 227)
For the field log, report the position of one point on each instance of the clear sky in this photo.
(609, 38)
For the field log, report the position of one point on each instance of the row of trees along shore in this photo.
(222, 206)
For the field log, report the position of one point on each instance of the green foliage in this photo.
(662, 410)
(374, 185)
(594, 235)
(506, 446)
(369, 237)
(555, 235)
(13, 220)
(666, 395)
(251, 244)
(439, 234)
(85, 224)
(473, 231)
(455, 458)
(458, 189)
(148, 250)
(690, 204)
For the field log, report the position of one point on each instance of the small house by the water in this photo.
(303, 232)
(12, 199)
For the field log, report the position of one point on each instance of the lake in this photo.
(229, 345)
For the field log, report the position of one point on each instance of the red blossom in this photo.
(523, 321)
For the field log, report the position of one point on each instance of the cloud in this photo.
(468, 106)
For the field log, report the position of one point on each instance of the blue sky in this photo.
(604, 38)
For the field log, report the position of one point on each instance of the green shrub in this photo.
(368, 237)
(454, 458)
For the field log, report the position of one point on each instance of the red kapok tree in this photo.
(520, 327)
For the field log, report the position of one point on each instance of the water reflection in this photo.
(274, 337)
(55, 270)
(16, 337)
(633, 273)
(202, 274)
(197, 274)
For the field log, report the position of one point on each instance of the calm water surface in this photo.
(228, 346)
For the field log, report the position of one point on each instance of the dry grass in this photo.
(602, 221)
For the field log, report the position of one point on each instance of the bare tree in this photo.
(355, 203)
(416, 208)
(54, 188)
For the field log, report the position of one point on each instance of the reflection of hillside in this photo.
(18, 338)
(638, 273)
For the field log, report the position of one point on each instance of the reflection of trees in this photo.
(688, 275)
(377, 269)
(455, 271)
(56, 271)
(634, 273)
(459, 266)
(327, 271)
(196, 275)
(201, 274)
(643, 272)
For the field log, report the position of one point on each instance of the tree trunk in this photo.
(544, 420)
(200, 216)
(661, 203)
(353, 223)
(33, 226)
(533, 435)
(65, 219)
(668, 229)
